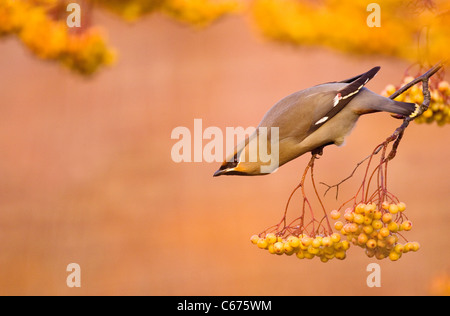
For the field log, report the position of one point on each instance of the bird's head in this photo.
(235, 164)
(246, 159)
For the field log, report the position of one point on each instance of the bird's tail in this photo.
(400, 108)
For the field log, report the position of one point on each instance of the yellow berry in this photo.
(338, 225)
(262, 243)
(271, 249)
(340, 255)
(377, 224)
(358, 219)
(288, 249)
(360, 208)
(278, 247)
(254, 239)
(401, 206)
(398, 248)
(327, 242)
(406, 225)
(377, 215)
(308, 255)
(393, 208)
(317, 242)
(335, 214)
(385, 205)
(306, 241)
(415, 246)
(313, 250)
(380, 255)
(393, 227)
(443, 86)
(294, 242)
(367, 220)
(407, 247)
(394, 256)
(345, 245)
(370, 209)
(271, 238)
(335, 238)
(368, 229)
(428, 113)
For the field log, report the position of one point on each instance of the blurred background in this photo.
(86, 174)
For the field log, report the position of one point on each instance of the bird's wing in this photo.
(329, 103)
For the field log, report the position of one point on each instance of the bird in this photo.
(308, 121)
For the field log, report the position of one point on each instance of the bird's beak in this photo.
(222, 172)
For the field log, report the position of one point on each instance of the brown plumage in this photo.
(309, 120)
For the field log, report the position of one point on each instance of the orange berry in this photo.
(371, 243)
(353, 227)
(349, 216)
(384, 232)
(362, 239)
(387, 217)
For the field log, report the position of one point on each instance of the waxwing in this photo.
(307, 121)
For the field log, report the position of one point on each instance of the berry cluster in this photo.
(304, 246)
(439, 108)
(41, 26)
(195, 12)
(376, 229)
